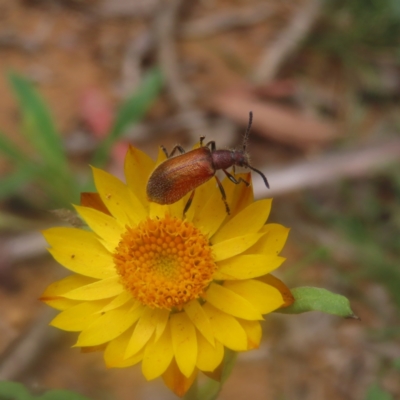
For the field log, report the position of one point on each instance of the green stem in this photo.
(211, 389)
(192, 393)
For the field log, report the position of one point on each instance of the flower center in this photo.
(165, 262)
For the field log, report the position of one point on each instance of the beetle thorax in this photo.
(224, 159)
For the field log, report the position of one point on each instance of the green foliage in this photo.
(316, 299)
(17, 391)
(365, 216)
(376, 393)
(349, 26)
(46, 166)
(38, 126)
(396, 364)
(12, 183)
(131, 112)
(317, 254)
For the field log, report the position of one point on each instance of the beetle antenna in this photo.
(260, 173)
(246, 135)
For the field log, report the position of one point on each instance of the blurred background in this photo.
(79, 79)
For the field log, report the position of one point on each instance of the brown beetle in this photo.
(177, 176)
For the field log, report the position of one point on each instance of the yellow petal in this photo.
(264, 297)
(118, 301)
(103, 289)
(184, 342)
(212, 214)
(109, 325)
(273, 240)
(65, 285)
(118, 198)
(80, 251)
(138, 167)
(176, 381)
(239, 196)
(162, 321)
(60, 303)
(235, 246)
(253, 331)
(103, 225)
(231, 303)
(250, 220)
(143, 331)
(157, 210)
(248, 266)
(158, 356)
(78, 317)
(54, 292)
(201, 197)
(176, 209)
(287, 295)
(114, 354)
(226, 329)
(208, 356)
(221, 276)
(199, 318)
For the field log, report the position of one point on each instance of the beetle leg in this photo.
(177, 147)
(260, 173)
(212, 145)
(221, 189)
(188, 203)
(234, 180)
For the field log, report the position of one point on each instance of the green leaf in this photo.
(17, 391)
(13, 182)
(316, 299)
(61, 395)
(13, 391)
(12, 152)
(38, 126)
(131, 112)
(376, 393)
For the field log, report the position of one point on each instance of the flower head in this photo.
(171, 292)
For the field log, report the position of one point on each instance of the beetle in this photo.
(177, 176)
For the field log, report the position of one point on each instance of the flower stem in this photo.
(192, 393)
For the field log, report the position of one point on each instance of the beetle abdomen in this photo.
(177, 176)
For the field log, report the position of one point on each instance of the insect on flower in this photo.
(177, 176)
(154, 288)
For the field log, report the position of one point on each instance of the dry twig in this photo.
(287, 42)
(27, 348)
(328, 168)
(165, 24)
(127, 8)
(22, 247)
(131, 68)
(279, 123)
(225, 21)
(165, 29)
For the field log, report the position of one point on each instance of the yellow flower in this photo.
(171, 292)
